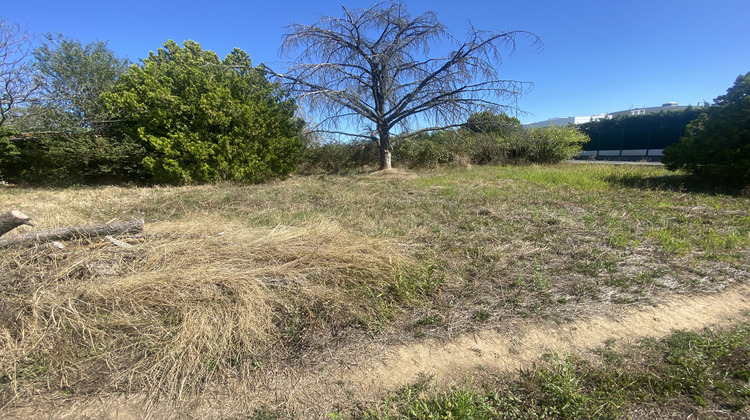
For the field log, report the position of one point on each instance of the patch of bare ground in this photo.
(357, 375)
(394, 173)
(513, 349)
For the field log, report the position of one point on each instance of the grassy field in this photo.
(230, 279)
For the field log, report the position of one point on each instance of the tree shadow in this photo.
(673, 183)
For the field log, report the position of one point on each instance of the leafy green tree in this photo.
(202, 119)
(72, 77)
(65, 128)
(489, 122)
(716, 145)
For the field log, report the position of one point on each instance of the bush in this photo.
(70, 159)
(484, 149)
(8, 154)
(201, 119)
(508, 143)
(548, 145)
(453, 148)
(426, 150)
(716, 145)
(324, 157)
(496, 139)
(335, 157)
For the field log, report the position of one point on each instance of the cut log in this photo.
(12, 220)
(73, 232)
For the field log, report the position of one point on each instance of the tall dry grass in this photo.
(190, 302)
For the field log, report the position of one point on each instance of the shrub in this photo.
(488, 149)
(492, 138)
(425, 151)
(324, 157)
(552, 144)
(716, 145)
(202, 120)
(8, 154)
(71, 159)
(507, 143)
(335, 157)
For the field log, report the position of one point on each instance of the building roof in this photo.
(668, 106)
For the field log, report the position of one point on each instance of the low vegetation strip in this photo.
(511, 349)
(686, 374)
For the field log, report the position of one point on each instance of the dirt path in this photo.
(509, 351)
(369, 376)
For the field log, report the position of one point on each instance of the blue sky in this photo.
(598, 56)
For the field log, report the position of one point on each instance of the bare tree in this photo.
(371, 71)
(16, 81)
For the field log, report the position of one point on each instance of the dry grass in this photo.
(187, 305)
(229, 279)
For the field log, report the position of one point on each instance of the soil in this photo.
(365, 376)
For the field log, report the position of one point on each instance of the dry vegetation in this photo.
(181, 308)
(230, 279)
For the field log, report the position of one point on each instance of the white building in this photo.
(669, 106)
(560, 121)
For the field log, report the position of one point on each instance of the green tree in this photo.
(202, 119)
(716, 145)
(66, 131)
(489, 122)
(72, 78)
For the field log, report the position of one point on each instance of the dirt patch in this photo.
(350, 377)
(394, 173)
(511, 350)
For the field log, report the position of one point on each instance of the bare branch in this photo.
(16, 82)
(376, 63)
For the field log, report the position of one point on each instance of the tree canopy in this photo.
(202, 119)
(489, 122)
(16, 77)
(374, 70)
(716, 144)
(72, 77)
(62, 126)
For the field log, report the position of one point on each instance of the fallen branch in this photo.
(74, 232)
(12, 220)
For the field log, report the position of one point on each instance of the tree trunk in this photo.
(384, 147)
(12, 220)
(385, 159)
(74, 232)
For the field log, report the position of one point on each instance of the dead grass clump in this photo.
(189, 305)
